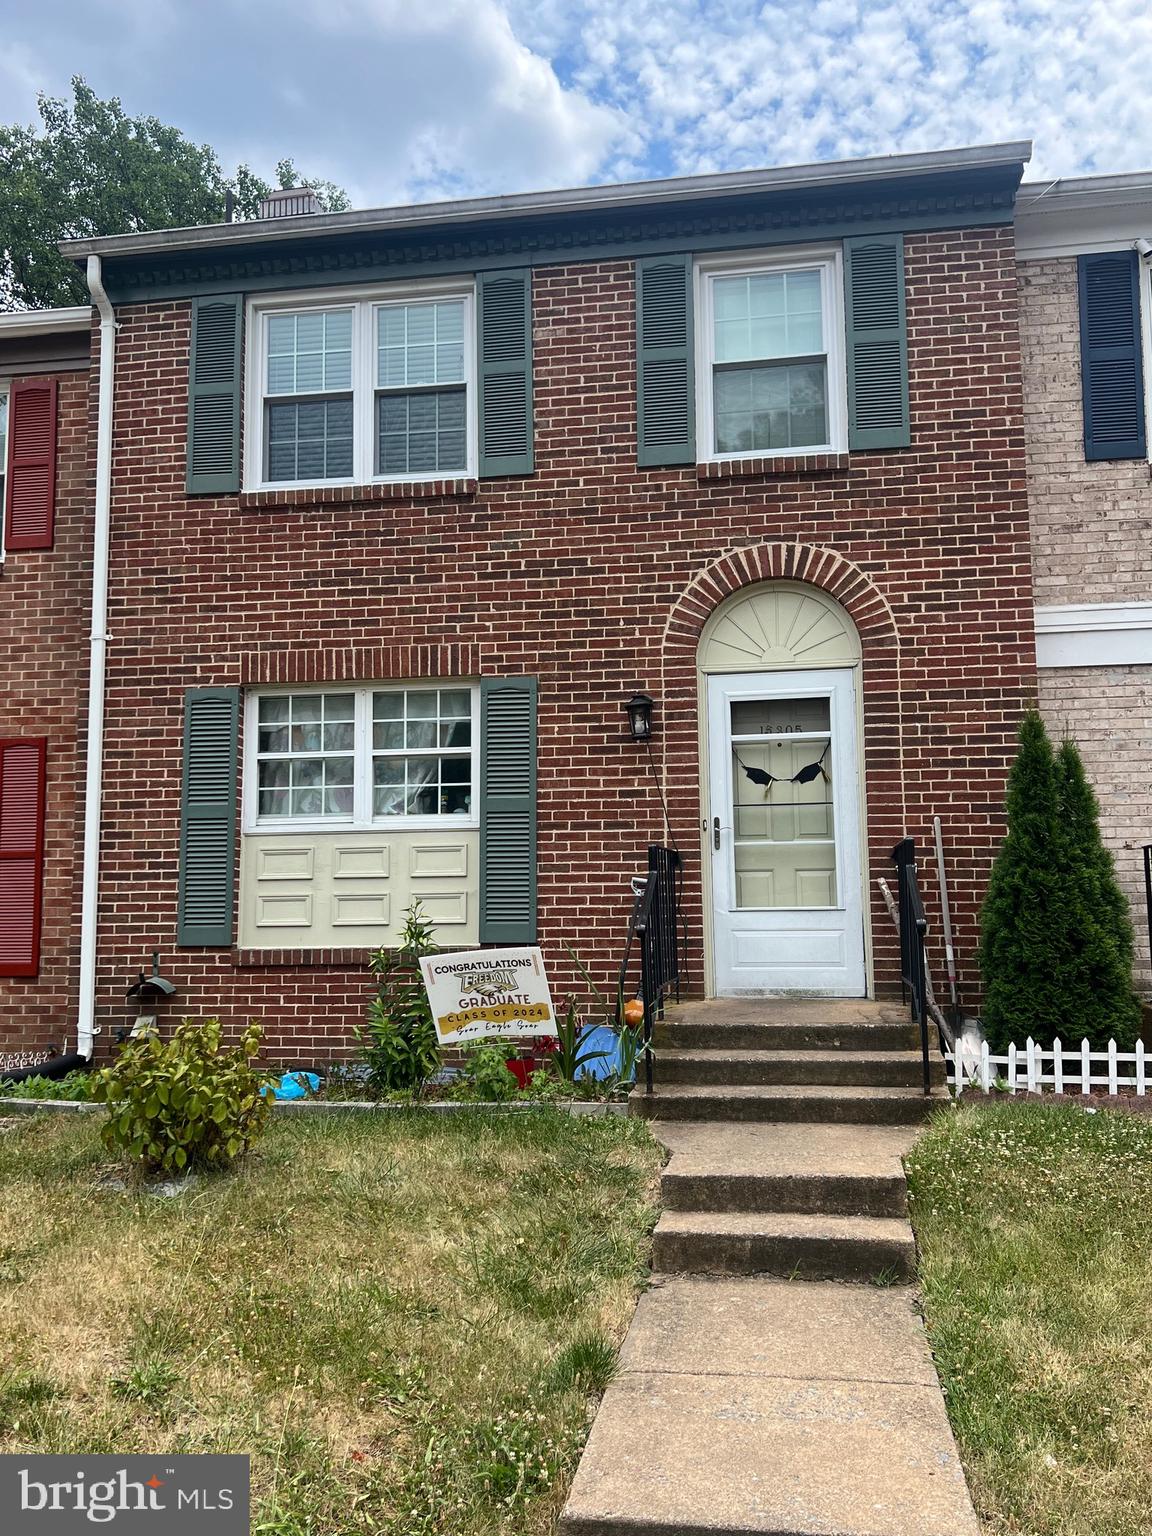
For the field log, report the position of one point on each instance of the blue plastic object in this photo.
(296, 1085)
(600, 1038)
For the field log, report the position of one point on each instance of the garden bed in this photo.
(1034, 1223)
(404, 1319)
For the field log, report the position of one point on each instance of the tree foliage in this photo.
(90, 169)
(1055, 934)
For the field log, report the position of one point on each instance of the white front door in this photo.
(784, 830)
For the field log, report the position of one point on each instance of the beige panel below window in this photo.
(437, 860)
(370, 862)
(283, 911)
(358, 888)
(449, 908)
(285, 863)
(351, 910)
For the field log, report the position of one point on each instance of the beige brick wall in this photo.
(1091, 523)
(1108, 711)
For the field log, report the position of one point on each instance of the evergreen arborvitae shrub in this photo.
(1055, 933)
(1022, 934)
(1100, 923)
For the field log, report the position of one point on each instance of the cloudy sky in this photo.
(401, 100)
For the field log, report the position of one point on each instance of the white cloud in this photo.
(739, 82)
(415, 99)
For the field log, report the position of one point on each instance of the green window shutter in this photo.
(877, 342)
(504, 348)
(665, 384)
(1110, 363)
(508, 810)
(214, 372)
(208, 817)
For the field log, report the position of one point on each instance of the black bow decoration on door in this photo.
(804, 775)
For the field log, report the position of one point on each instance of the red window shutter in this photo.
(22, 766)
(31, 493)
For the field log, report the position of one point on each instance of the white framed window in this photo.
(374, 756)
(349, 388)
(770, 355)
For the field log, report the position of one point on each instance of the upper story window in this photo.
(771, 356)
(361, 757)
(378, 386)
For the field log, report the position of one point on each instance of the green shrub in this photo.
(1055, 935)
(76, 1086)
(184, 1103)
(399, 1044)
(485, 1077)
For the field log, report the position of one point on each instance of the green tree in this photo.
(1055, 935)
(90, 169)
(1022, 936)
(1100, 923)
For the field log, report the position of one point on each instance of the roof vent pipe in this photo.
(288, 203)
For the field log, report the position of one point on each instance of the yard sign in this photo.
(488, 992)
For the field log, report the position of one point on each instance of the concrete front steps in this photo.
(760, 1395)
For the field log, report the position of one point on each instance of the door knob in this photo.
(716, 832)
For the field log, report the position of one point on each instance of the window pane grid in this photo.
(420, 344)
(310, 353)
(309, 439)
(421, 433)
(421, 747)
(363, 756)
(771, 408)
(768, 315)
(305, 755)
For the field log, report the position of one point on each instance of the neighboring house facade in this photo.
(45, 494)
(405, 504)
(1086, 330)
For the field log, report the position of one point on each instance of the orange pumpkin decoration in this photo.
(633, 1012)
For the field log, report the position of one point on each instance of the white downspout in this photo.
(94, 770)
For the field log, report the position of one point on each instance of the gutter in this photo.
(626, 195)
(94, 768)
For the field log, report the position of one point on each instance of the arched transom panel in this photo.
(778, 624)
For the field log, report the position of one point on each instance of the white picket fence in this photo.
(1060, 1068)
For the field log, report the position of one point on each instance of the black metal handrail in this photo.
(654, 924)
(913, 959)
(1148, 892)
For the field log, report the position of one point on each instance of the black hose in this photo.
(54, 1067)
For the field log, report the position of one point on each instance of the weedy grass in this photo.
(405, 1322)
(1035, 1230)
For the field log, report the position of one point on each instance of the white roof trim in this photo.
(45, 322)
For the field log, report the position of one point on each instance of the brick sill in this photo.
(279, 959)
(760, 469)
(355, 495)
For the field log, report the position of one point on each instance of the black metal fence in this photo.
(913, 960)
(653, 928)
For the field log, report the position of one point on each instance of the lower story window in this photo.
(362, 757)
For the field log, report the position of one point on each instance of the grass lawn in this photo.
(405, 1320)
(1035, 1229)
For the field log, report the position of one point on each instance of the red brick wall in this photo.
(44, 607)
(574, 574)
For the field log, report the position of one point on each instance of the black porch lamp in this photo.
(639, 708)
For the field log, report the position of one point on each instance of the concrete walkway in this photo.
(763, 1388)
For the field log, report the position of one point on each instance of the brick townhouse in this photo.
(404, 505)
(45, 578)
(1086, 334)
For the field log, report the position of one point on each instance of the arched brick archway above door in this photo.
(824, 568)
